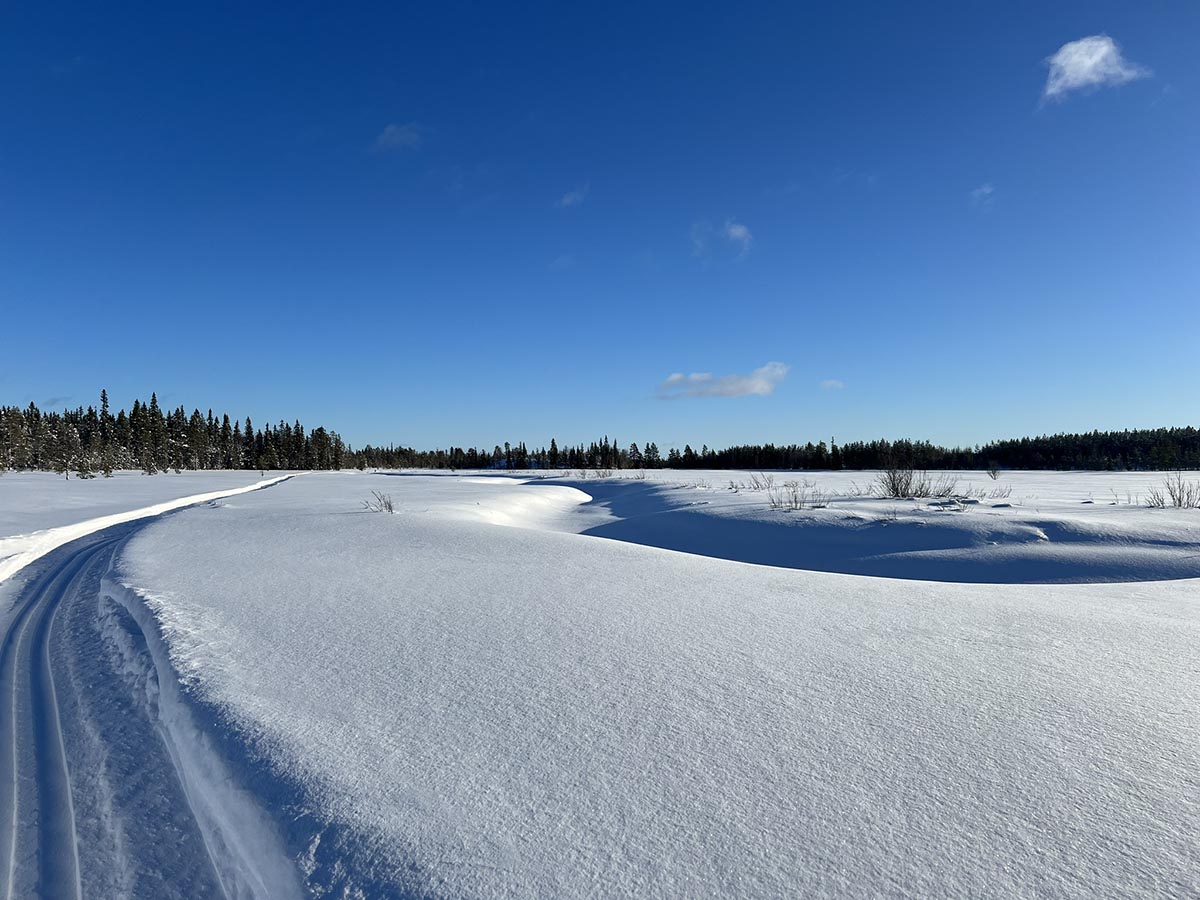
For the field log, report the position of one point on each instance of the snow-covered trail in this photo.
(106, 788)
(37, 816)
(18, 551)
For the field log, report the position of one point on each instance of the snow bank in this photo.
(462, 710)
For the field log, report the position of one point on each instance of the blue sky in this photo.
(469, 223)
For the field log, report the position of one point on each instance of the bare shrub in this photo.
(993, 471)
(760, 481)
(857, 490)
(1175, 492)
(905, 483)
(796, 495)
(898, 481)
(379, 502)
(944, 486)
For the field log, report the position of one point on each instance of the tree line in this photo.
(92, 441)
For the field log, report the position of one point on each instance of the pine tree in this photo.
(156, 428)
(249, 457)
(226, 444)
(107, 438)
(66, 448)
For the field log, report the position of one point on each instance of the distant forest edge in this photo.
(92, 441)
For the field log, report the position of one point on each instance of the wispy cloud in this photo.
(832, 384)
(397, 137)
(573, 198)
(562, 263)
(761, 382)
(981, 196)
(738, 235)
(1089, 62)
(732, 236)
(51, 402)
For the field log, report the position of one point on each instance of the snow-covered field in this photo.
(35, 501)
(428, 704)
(40, 511)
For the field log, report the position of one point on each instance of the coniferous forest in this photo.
(95, 441)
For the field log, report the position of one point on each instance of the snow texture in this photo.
(433, 705)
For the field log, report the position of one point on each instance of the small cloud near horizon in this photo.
(573, 198)
(1089, 63)
(832, 384)
(397, 137)
(51, 402)
(761, 382)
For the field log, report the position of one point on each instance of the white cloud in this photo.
(761, 381)
(575, 197)
(562, 263)
(982, 195)
(732, 236)
(832, 384)
(408, 136)
(738, 235)
(1089, 62)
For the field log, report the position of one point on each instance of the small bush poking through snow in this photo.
(795, 495)
(1176, 493)
(904, 483)
(761, 481)
(380, 502)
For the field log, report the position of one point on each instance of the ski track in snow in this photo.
(97, 798)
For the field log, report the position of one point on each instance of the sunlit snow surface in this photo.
(435, 705)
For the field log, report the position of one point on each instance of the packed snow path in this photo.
(36, 813)
(52, 700)
(92, 799)
(107, 788)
